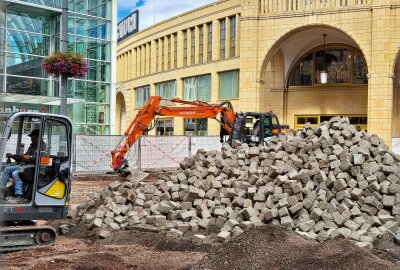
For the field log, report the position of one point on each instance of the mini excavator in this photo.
(251, 127)
(45, 177)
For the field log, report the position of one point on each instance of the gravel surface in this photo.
(274, 247)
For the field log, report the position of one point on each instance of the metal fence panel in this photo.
(206, 143)
(396, 145)
(163, 151)
(93, 153)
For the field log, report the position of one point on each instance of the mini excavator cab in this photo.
(254, 128)
(44, 170)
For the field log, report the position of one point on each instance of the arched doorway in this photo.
(291, 85)
(120, 115)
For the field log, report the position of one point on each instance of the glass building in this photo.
(30, 31)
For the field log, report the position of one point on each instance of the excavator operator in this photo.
(13, 171)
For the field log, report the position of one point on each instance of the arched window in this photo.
(344, 65)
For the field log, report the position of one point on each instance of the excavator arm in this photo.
(152, 109)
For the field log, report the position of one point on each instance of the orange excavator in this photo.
(251, 127)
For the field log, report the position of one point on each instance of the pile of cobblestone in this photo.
(325, 182)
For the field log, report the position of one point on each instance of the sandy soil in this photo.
(268, 248)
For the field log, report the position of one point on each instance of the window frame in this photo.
(196, 132)
(219, 84)
(353, 52)
(222, 40)
(164, 102)
(197, 87)
(164, 120)
(143, 101)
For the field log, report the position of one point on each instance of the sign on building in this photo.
(128, 26)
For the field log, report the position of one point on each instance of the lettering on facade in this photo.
(15, 109)
(128, 26)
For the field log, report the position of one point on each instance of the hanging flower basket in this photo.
(67, 63)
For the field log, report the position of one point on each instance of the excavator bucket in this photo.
(135, 176)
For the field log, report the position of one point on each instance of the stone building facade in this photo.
(268, 55)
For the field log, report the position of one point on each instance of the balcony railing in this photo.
(279, 6)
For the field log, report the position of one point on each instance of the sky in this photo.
(164, 9)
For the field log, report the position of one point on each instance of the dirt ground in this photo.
(269, 247)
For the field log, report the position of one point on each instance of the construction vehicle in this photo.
(251, 127)
(46, 177)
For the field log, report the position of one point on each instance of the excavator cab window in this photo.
(16, 164)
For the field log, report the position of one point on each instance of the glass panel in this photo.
(2, 39)
(28, 86)
(195, 127)
(2, 65)
(360, 69)
(46, 3)
(229, 84)
(98, 8)
(337, 64)
(190, 91)
(303, 73)
(166, 90)
(1, 85)
(204, 88)
(97, 71)
(209, 49)
(146, 94)
(90, 27)
(233, 36)
(193, 45)
(201, 127)
(165, 127)
(28, 22)
(169, 127)
(96, 113)
(139, 98)
(222, 40)
(25, 65)
(2, 18)
(23, 42)
(93, 48)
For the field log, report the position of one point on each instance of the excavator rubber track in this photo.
(15, 238)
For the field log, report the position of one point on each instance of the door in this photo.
(53, 180)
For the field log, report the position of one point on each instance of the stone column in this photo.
(380, 82)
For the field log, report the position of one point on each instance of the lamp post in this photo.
(324, 74)
(64, 47)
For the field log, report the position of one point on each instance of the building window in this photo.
(166, 90)
(201, 44)
(359, 121)
(162, 53)
(195, 127)
(344, 65)
(149, 62)
(144, 49)
(233, 37)
(209, 48)
(229, 84)
(165, 127)
(193, 45)
(142, 96)
(175, 51)
(185, 48)
(197, 88)
(169, 52)
(157, 56)
(139, 49)
(222, 39)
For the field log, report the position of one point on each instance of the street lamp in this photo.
(324, 74)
